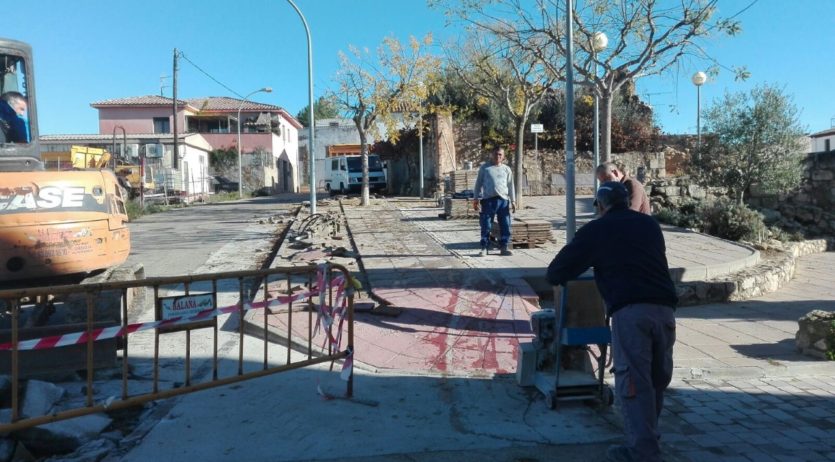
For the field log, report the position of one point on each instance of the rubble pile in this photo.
(79, 435)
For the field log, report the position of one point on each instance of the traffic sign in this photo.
(536, 128)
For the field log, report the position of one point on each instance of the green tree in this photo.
(323, 108)
(372, 90)
(223, 158)
(633, 126)
(752, 138)
(646, 37)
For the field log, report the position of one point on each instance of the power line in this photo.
(182, 55)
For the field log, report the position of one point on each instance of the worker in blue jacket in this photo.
(627, 251)
(13, 119)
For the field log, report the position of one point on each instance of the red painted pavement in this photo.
(439, 330)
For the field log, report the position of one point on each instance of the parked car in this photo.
(223, 184)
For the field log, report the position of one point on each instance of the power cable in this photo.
(182, 55)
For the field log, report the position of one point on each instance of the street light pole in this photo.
(570, 212)
(699, 78)
(420, 138)
(240, 148)
(310, 118)
(420, 160)
(598, 44)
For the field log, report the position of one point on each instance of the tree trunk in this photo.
(364, 150)
(606, 127)
(518, 171)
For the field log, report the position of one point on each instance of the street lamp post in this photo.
(311, 152)
(420, 149)
(699, 78)
(598, 44)
(420, 145)
(240, 148)
(570, 212)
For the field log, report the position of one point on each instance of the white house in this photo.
(823, 141)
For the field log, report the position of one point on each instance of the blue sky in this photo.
(88, 50)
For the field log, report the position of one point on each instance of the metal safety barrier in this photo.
(309, 307)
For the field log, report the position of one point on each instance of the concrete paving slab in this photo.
(741, 333)
(392, 414)
(749, 401)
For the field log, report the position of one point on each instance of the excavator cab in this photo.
(19, 149)
(53, 224)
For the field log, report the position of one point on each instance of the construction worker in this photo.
(638, 200)
(13, 118)
(494, 194)
(627, 250)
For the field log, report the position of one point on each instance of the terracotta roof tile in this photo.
(147, 100)
(225, 104)
(208, 103)
(101, 137)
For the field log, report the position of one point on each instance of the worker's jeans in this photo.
(643, 335)
(491, 207)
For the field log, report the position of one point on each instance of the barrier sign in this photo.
(185, 306)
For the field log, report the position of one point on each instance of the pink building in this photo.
(269, 135)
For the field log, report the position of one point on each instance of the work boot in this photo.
(505, 252)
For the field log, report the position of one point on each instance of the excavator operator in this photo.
(13, 118)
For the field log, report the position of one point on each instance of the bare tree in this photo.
(647, 37)
(514, 78)
(373, 89)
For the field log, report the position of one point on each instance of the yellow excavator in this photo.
(132, 177)
(53, 224)
(77, 158)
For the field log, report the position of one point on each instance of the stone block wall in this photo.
(815, 334)
(811, 206)
(544, 170)
(467, 136)
(667, 193)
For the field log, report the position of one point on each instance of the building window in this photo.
(162, 125)
(826, 145)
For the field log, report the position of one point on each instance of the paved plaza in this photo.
(437, 382)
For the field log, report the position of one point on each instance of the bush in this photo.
(667, 216)
(134, 211)
(723, 218)
(685, 216)
(784, 235)
(730, 220)
(830, 353)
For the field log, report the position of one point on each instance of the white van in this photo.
(343, 174)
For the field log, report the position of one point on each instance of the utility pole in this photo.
(175, 157)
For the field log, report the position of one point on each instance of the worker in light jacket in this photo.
(494, 195)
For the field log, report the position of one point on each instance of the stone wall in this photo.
(467, 144)
(766, 277)
(816, 334)
(545, 170)
(809, 207)
(668, 193)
